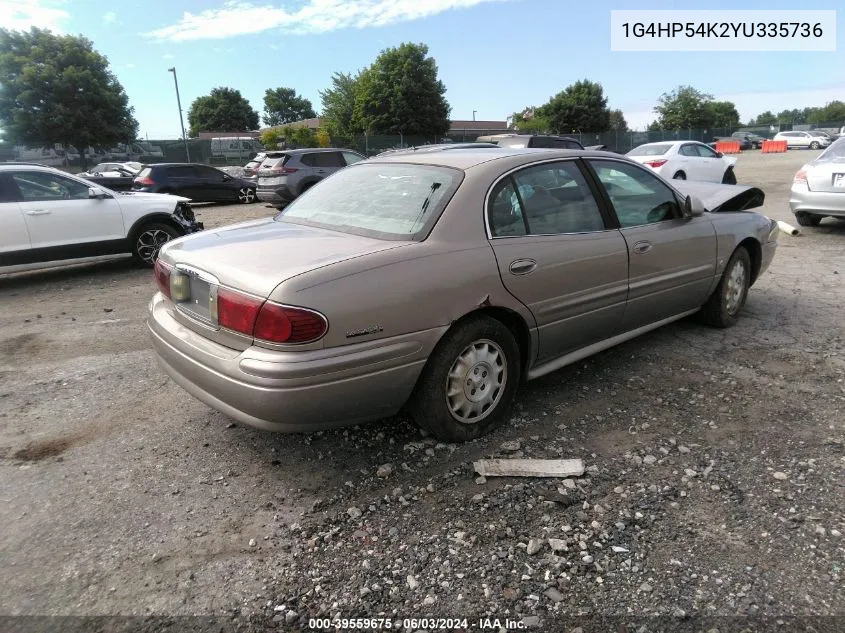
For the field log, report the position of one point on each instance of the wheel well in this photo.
(160, 218)
(680, 171)
(515, 323)
(755, 251)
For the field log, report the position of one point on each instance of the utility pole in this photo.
(181, 120)
(473, 114)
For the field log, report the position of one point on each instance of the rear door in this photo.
(672, 257)
(14, 237)
(558, 256)
(326, 163)
(58, 211)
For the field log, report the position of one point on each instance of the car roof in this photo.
(311, 150)
(39, 166)
(470, 157)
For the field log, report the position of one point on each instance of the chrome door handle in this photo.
(642, 247)
(39, 212)
(522, 266)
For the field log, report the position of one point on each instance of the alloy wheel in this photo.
(149, 242)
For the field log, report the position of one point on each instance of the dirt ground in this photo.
(715, 484)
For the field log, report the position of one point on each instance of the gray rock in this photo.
(557, 544)
(649, 459)
(587, 559)
(385, 470)
(534, 546)
(645, 587)
(291, 616)
(779, 475)
(354, 512)
(412, 582)
(511, 446)
(531, 621)
(553, 594)
(429, 600)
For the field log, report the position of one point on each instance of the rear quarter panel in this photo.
(734, 227)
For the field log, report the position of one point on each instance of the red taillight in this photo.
(283, 324)
(284, 170)
(147, 182)
(161, 272)
(800, 177)
(237, 311)
(266, 320)
(656, 163)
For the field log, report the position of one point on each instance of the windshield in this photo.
(391, 201)
(650, 150)
(836, 151)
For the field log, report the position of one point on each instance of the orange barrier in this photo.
(728, 147)
(773, 147)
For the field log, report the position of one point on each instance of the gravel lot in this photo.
(715, 484)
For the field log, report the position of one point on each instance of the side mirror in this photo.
(719, 154)
(97, 193)
(226, 177)
(693, 207)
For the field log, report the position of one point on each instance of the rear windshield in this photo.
(835, 152)
(391, 201)
(650, 150)
(275, 159)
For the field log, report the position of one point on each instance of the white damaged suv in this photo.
(49, 218)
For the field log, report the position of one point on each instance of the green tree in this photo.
(791, 116)
(272, 138)
(617, 121)
(58, 89)
(683, 108)
(530, 121)
(831, 112)
(339, 106)
(722, 114)
(299, 136)
(283, 105)
(580, 107)
(765, 118)
(400, 93)
(224, 110)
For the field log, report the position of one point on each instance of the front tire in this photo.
(469, 382)
(679, 175)
(730, 177)
(814, 145)
(724, 305)
(246, 195)
(808, 219)
(148, 241)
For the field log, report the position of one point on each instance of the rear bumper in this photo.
(276, 193)
(802, 200)
(291, 391)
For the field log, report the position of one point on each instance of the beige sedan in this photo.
(438, 281)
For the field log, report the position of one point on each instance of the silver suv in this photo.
(284, 175)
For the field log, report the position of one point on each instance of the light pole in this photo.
(473, 114)
(181, 121)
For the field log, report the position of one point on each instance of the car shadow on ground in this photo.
(72, 273)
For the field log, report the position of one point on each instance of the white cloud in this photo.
(110, 17)
(167, 56)
(21, 15)
(240, 17)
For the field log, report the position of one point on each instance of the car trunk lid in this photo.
(827, 175)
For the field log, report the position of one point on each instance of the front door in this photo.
(672, 257)
(557, 257)
(58, 211)
(14, 238)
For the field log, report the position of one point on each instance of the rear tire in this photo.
(724, 305)
(149, 239)
(469, 382)
(246, 195)
(808, 219)
(814, 145)
(679, 175)
(730, 177)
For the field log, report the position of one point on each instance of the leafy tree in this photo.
(299, 136)
(58, 89)
(833, 111)
(791, 116)
(339, 106)
(400, 93)
(581, 107)
(529, 121)
(323, 138)
(685, 107)
(272, 138)
(722, 114)
(283, 105)
(224, 110)
(617, 121)
(766, 118)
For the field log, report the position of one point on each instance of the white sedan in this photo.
(686, 160)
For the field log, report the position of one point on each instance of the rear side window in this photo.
(328, 159)
(8, 190)
(182, 171)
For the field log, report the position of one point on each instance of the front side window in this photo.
(705, 152)
(328, 159)
(391, 201)
(638, 196)
(35, 185)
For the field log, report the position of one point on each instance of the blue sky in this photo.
(494, 56)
